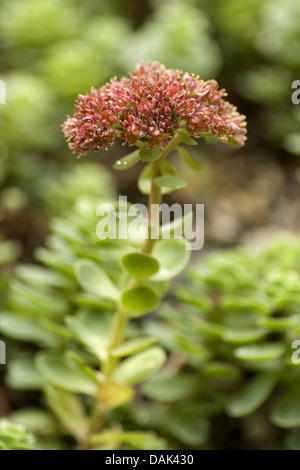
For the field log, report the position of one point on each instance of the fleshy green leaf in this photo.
(92, 301)
(186, 138)
(113, 394)
(169, 388)
(177, 226)
(149, 155)
(63, 262)
(290, 301)
(236, 336)
(192, 296)
(173, 257)
(69, 410)
(92, 329)
(140, 367)
(55, 327)
(277, 324)
(15, 437)
(210, 137)
(67, 231)
(22, 375)
(210, 329)
(140, 265)
(94, 280)
(286, 412)
(34, 420)
(221, 371)
(160, 287)
(139, 300)
(39, 276)
(25, 329)
(188, 425)
(169, 181)
(260, 352)
(60, 372)
(239, 303)
(144, 181)
(251, 396)
(193, 348)
(189, 159)
(37, 301)
(127, 162)
(132, 346)
(78, 363)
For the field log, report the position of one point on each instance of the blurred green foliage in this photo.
(64, 307)
(178, 35)
(14, 437)
(234, 376)
(229, 381)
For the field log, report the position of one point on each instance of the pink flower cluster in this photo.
(150, 105)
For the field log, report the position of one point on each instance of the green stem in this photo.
(120, 323)
(116, 339)
(155, 196)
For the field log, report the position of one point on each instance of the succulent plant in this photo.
(15, 437)
(236, 331)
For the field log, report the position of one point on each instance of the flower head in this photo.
(149, 105)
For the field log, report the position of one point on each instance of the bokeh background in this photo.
(52, 50)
